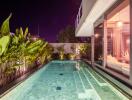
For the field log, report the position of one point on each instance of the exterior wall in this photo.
(127, 80)
(131, 40)
(91, 11)
(117, 77)
(86, 7)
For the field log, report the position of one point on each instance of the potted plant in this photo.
(61, 52)
(72, 55)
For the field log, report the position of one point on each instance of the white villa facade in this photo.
(109, 24)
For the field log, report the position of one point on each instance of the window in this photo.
(118, 39)
(98, 46)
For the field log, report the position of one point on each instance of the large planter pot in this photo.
(72, 56)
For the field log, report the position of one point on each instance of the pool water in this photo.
(65, 80)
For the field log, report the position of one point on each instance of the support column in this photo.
(92, 50)
(130, 40)
(105, 44)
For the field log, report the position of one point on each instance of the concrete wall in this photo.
(67, 46)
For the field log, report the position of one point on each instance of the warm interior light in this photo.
(119, 24)
(128, 41)
(111, 35)
(96, 35)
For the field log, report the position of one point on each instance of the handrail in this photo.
(78, 17)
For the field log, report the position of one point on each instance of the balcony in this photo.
(88, 13)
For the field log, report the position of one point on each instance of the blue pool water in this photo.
(60, 80)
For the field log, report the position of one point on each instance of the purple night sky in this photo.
(51, 15)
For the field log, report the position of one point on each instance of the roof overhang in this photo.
(99, 8)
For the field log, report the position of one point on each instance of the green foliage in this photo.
(34, 44)
(46, 52)
(5, 36)
(5, 29)
(4, 43)
(67, 35)
(20, 48)
(85, 49)
(21, 33)
(26, 33)
(15, 40)
(17, 32)
(72, 56)
(61, 51)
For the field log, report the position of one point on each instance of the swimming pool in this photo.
(64, 80)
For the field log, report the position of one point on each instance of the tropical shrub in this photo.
(19, 52)
(72, 55)
(85, 50)
(61, 52)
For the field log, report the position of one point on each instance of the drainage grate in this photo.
(58, 88)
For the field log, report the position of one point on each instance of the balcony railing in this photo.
(79, 15)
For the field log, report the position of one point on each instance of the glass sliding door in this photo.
(118, 39)
(98, 44)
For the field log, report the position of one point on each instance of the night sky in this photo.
(50, 15)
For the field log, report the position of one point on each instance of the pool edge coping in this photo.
(25, 76)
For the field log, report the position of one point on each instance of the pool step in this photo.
(93, 94)
(96, 76)
(79, 86)
(98, 79)
(85, 81)
(89, 90)
(103, 92)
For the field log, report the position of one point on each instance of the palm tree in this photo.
(67, 35)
